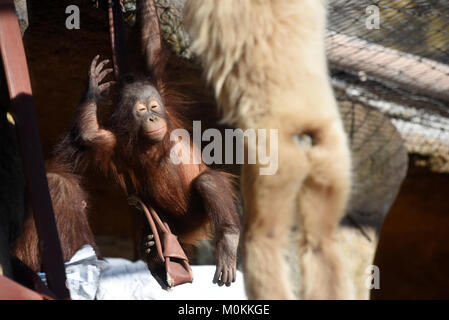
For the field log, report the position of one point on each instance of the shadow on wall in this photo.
(413, 251)
(58, 60)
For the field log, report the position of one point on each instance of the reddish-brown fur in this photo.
(190, 197)
(70, 208)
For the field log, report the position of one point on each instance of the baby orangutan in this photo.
(134, 149)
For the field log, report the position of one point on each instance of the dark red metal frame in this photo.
(22, 108)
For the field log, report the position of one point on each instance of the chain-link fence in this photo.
(393, 55)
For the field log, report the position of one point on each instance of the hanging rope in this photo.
(117, 38)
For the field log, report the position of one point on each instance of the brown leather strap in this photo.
(169, 245)
(155, 231)
(162, 226)
(22, 106)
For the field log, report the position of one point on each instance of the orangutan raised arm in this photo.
(86, 122)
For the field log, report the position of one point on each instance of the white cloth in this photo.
(124, 280)
(119, 279)
(82, 273)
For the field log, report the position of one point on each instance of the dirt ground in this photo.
(413, 253)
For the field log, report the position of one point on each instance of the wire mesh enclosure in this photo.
(393, 55)
(390, 55)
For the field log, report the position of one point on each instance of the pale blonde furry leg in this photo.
(266, 61)
(321, 203)
(265, 234)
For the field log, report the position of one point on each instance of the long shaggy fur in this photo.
(266, 61)
(69, 202)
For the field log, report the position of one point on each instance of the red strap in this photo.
(22, 106)
(155, 229)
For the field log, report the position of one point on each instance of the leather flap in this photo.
(172, 248)
(178, 272)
